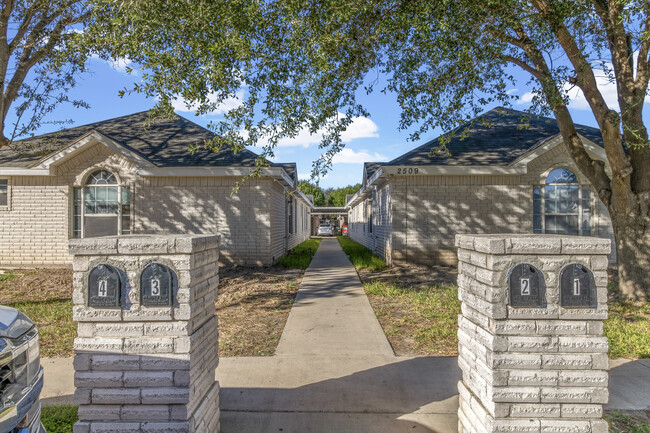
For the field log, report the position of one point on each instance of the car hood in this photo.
(13, 323)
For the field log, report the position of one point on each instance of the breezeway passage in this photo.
(334, 370)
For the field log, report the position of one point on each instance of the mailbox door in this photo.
(156, 285)
(526, 286)
(577, 287)
(104, 287)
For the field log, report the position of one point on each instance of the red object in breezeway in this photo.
(344, 230)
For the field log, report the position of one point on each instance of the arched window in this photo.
(101, 207)
(562, 205)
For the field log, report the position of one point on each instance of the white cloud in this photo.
(120, 65)
(228, 104)
(361, 127)
(349, 156)
(512, 91)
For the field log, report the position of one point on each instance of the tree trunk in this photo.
(632, 235)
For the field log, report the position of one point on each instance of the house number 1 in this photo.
(576, 287)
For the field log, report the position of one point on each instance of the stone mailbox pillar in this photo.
(146, 350)
(531, 346)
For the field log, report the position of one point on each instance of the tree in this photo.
(302, 64)
(39, 56)
(337, 196)
(309, 188)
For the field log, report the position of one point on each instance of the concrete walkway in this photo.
(334, 370)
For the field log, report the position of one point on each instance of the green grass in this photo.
(360, 256)
(428, 314)
(300, 256)
(59, 419)
(624, 423)
(54, 320)
(627, 328)
(6, 277)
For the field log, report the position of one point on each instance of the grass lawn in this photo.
(360, 256)
(59, 419)
(417, 320)
(628, 422)
(628, 328)
(45, 296)
(300, 256)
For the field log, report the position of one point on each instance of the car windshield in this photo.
(325, 225)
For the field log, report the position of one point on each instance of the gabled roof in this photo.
(163, 143)
(506, 136)
(370, 168)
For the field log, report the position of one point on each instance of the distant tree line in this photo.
(327, 196)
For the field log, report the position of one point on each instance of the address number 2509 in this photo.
(409, 170)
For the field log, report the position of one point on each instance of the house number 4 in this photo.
(102, 288)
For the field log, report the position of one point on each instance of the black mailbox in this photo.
(527, 286)
(104, 287)
(577, 287)
(156, 285)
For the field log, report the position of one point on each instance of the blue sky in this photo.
(376, 138)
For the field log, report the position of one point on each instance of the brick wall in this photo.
(36, 226)
(428, 211)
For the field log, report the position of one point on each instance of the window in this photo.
(101, 207)
(4, 192)
(291, 212)
(369, 216)
(562, 205)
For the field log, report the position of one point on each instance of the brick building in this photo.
(510, 174)
(123, 176)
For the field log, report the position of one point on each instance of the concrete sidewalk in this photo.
(334, 370)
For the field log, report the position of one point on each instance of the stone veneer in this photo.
(530, 370)
(148, 369)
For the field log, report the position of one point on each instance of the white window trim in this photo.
(580, 184)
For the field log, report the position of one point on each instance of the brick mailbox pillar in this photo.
(531, 346)
(146, 350)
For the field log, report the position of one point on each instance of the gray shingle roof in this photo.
(165, 143)
(371, 168)
(500, 143)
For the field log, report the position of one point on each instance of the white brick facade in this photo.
(415, 217)
(37, 223)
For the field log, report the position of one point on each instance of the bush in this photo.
(59, 419)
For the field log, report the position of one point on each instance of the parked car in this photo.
(325, 230)
(21, 374)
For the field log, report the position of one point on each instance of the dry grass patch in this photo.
(253, 306)
(628, 421)
(45, 296)
(417, 306)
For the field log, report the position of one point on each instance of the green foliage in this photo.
(309, 188)
(6, 277)
(59, 419)
(300, 256)
(360, 256)
(336, 196)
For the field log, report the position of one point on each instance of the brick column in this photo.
(532, 366)
(142, 368)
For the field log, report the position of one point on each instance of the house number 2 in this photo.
(525, 286)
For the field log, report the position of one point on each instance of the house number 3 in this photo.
(155, 287)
